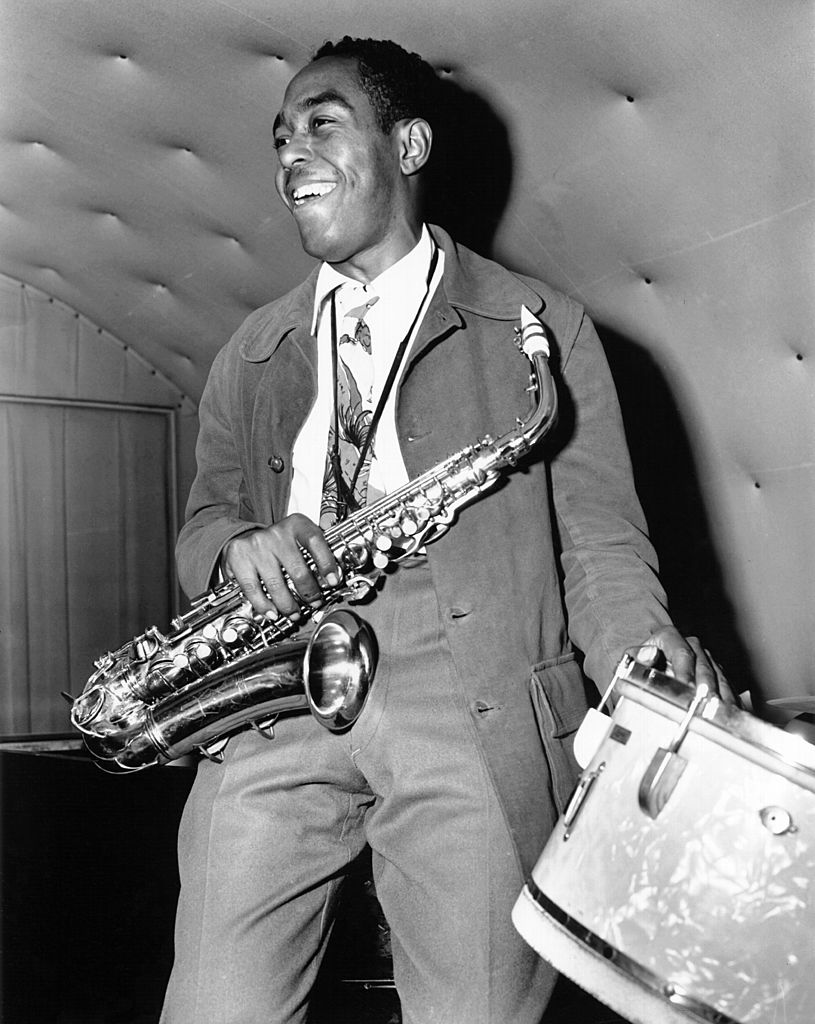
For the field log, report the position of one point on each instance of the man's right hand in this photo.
(259, 558)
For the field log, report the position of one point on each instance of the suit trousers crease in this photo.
(266, 836)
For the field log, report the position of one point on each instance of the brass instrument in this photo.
(222, 666)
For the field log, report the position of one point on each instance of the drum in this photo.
(678, 884)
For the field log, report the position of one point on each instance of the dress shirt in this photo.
(400, 291)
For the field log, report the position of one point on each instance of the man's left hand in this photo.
(687, 660)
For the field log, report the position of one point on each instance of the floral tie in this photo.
(355, 412)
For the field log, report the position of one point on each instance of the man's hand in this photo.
(258, 560)
(687, 660)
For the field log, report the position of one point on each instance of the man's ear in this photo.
(415, 143)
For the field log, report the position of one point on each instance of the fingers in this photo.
(723, 687)
(701, 668)
(668, 643)
(280, 564)
(687, 660)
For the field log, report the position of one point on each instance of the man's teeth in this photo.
(317, 189)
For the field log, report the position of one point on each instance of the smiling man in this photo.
(398, 350)
(351, 186)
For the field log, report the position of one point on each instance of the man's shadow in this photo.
(668, 486)
(469, 175)
(470, 179)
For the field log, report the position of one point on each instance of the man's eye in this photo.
(280, 141)
(320, 122)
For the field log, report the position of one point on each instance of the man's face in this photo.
(339, 174)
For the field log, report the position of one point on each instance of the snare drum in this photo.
(678, 884)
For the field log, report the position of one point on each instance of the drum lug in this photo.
(584, 784)
(666, 767)
(659, 781)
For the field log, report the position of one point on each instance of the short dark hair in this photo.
(398, 84)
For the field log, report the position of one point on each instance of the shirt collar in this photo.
(406, 275)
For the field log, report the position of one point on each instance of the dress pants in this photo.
(266, 837)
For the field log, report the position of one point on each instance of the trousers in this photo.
(267, 835)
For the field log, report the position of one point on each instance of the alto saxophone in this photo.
(223, 667)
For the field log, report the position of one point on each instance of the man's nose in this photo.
(296, 151)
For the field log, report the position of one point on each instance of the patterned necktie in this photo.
(354, 415)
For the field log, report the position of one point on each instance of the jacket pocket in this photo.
(559, 699)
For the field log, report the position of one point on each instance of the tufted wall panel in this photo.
(653, 159)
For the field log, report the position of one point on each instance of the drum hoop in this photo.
(675, 995)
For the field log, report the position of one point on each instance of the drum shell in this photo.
(708, 898)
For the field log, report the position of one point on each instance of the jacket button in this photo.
(276, 464)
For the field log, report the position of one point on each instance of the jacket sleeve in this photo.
(612, 593)
(218, 507)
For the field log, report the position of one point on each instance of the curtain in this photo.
(86, 533)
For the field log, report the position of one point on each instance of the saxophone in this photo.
(223, 667)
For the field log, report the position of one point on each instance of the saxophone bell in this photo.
(338, 668)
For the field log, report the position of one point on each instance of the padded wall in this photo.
(654, 159)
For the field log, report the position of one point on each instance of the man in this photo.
(460, 762)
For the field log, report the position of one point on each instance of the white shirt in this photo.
(401, 290)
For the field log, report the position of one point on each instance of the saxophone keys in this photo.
(409, 526)
(381, 560)
(203, 654)
(357, 586)
(238, 629)
(146, 646)
(388, 525)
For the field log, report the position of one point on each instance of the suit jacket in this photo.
(548, 575)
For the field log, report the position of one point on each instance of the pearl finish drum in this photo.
(678, 884)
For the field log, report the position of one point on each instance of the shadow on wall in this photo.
(469, 183)
(668, 486)
(470, 171)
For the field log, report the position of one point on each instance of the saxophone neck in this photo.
(540, 420)
(544, 414)
(534, 343)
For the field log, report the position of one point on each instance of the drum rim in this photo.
(664, 990)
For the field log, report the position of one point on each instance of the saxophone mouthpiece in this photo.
(533, 334)
(67, 697)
